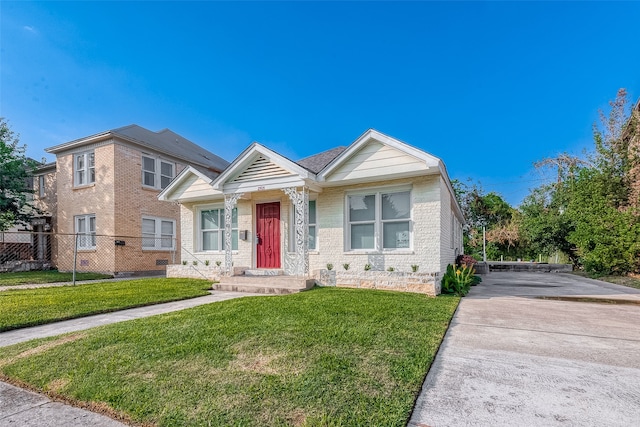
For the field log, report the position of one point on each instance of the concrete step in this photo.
(264, 272)
(264, 284)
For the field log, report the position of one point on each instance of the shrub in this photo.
(345, 266)
(207, 262)
(458, 281)
(391, 269)
(367, 267)
(218, 263)
(329, 266)
(195, 262)
(464, 259)
(414, 268)
(184, 262)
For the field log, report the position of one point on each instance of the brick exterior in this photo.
(431, 210)
(119, 201)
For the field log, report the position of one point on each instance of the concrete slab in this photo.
(21, 408)
(510, 358)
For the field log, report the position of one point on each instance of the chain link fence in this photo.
(114, 255)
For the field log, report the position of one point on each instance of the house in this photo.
(377, 205)
(28, 246)
(103, 189)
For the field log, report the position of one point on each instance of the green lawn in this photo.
(47, 276)
(27, 307)
(325, 357)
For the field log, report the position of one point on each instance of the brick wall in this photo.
(119, 201)
(131, 202)
(428, 218)
(96, 198)
(425, 193)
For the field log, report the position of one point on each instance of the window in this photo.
(380, 220)
(212, 229)
(86, 231)
(313, 236)
(85, 168)
(156, 173)
(41, 186)
(158, 233)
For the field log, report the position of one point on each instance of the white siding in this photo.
(375, 160)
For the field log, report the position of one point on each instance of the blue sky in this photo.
(489, 87)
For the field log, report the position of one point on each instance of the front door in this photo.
(268, 235)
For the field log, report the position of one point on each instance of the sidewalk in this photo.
(23, 408)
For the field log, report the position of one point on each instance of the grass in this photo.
(325, 357)
(29, 307)
(47, 276)
(631, 281)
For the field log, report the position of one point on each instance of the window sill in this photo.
(82, 187)
(145, 187)
(235, 251)
(86, 250)
(383, 252)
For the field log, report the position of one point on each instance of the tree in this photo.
(491, 211)
(15, 180)
(592, 213)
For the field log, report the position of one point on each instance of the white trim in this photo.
(157, 172)
(87, 235)
(247, 157)
(371, 134)
(165, 194)
(157, 235)
(378, 222)
(85, 171)
(292, 228)
(198, 241)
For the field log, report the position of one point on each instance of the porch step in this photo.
(275, 284)
(264, 272)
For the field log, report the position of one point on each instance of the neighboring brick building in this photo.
(105, 189)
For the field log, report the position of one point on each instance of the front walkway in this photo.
(510, 358)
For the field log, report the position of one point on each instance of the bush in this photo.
(458, 281)
(467, 260)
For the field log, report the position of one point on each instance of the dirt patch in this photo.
(42, 348)
(297, 417)
(57, 385)
(592, 300)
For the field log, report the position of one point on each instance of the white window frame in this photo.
(378, 222)
(41, 187)
(157, 172)
(86, 238)
(158, 236)
(292, 228)
(86, 174)
(221, 240)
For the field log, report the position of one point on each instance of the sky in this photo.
(488, 87)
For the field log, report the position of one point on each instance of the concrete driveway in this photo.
(513, 359)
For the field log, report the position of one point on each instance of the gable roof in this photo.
(319, 161)
(259, 162)
(164, 141)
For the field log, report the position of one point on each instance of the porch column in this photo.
(230, 201)
(300, 201)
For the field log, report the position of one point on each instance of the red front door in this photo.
(268, 235)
